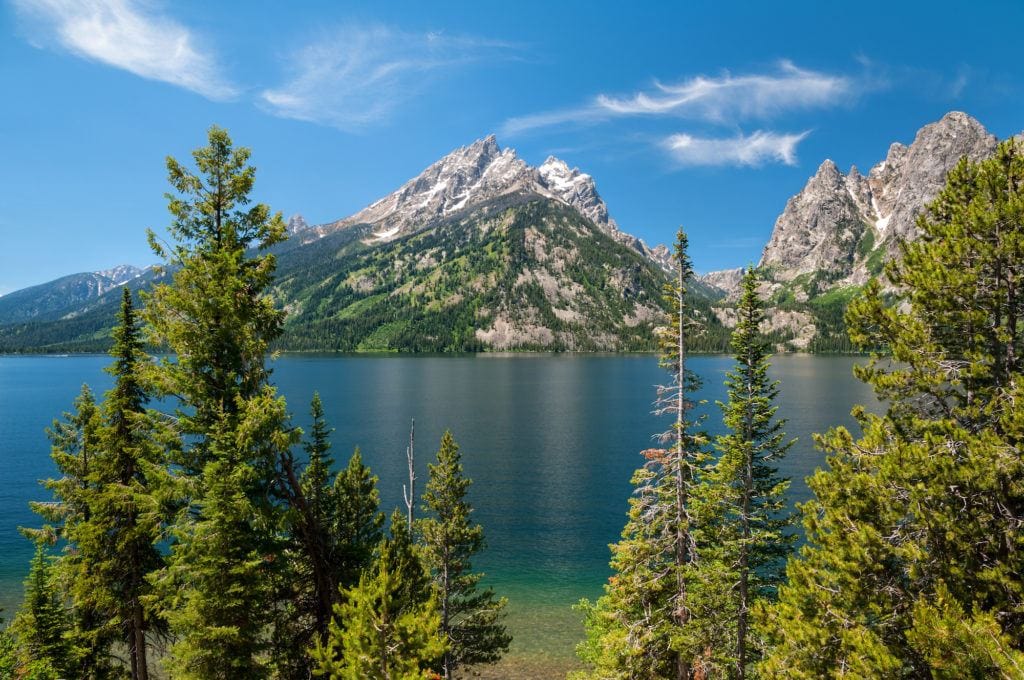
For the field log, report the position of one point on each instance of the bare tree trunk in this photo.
(682, 531)
(140, 665)
(410, 456)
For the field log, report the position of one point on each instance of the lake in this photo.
(550, 441)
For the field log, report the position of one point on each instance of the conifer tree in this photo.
(116, 549)
(78, 454)
(751, 544)
(915, 555)
(43, 628)
(470, 618)
(387, 627)
(655, 619)
(8, 652)
(333, 529)
(216, 317)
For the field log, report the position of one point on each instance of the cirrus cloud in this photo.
(714, 102)
(749, 150)
(356, 76)
(725, 99)
(130, 36)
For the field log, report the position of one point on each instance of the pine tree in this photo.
(915, 554)
(655, 619)
(116, 549)
(387, 627)
(333, 529)
(751, 544)
(470, 618)
(43, 627)
(77, 450)
(216, 317)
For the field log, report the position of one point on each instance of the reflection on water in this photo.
(550, 442)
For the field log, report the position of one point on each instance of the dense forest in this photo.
(220, 541)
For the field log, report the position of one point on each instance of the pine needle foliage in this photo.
(217, 319)
(915, 553)
(470, 617)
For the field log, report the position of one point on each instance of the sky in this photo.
(700, 114)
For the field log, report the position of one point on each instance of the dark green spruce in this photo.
(470, 616)
(752, 541)
(333, 529)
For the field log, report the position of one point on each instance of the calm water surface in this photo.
(550, 442)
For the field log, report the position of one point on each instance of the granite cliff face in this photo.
(845, 226)
(841, 228)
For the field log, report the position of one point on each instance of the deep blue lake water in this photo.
(550, 441)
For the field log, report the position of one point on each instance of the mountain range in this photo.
(482, 251)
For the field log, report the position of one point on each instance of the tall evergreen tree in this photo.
(470, 618)
(216, 317)
(654, 618)
(387, 627)
(117, 547)
(751, 545)
(77, 451)
(333, 529)
(915, 553)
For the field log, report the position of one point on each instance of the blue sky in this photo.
(708, 115)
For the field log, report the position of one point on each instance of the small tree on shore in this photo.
(470, 618)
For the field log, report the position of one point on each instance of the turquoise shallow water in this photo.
(549, 440)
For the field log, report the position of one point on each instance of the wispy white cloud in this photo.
(128, 35)
(358, 75)
(725, 99)
(750, 150)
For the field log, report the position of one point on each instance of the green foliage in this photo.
(829, 310)
(748, 543)
(42, 630)
(470, 618)
(333, 530)
(76, 517)
(387, 626)
(216, 317)
(431, 290)
(866, 244)
(956, 645)
(656, 617)
(113, 549)
(914, 545)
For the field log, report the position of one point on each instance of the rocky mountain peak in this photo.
(575, 188)
(825, 227)
(119, 275)
(827, 175)
(296, 223)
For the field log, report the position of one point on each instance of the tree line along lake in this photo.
(550, 442)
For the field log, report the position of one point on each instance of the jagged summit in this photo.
(471, 176)
(836, 221)
(119, 275)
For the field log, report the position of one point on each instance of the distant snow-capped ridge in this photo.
(120, 275)
(466, 178)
